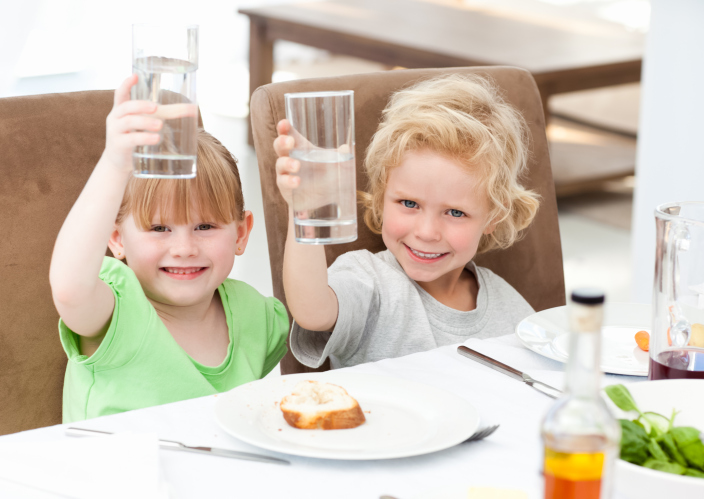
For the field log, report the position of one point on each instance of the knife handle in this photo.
(72, 431)
(489, 362)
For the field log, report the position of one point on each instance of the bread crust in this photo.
(350, 417)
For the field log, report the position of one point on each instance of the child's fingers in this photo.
(133, 122)
(287, 182)
(283, 127)
(134, 107)
(286, 165)
(283, 145)
(173, 111)
(134, 139)
(122, 93)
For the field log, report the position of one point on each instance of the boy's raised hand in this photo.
(285, 166)
(129, 125)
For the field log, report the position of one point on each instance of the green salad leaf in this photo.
(620, 396)
(653, 441)
(693, 472)
(668, 444)
(688, 441)
(634, 442)
(656, 451)
(666, 466)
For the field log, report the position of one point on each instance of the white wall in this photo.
(670, 161)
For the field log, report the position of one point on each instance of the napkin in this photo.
(114, 466)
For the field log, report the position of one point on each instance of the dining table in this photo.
(565, 51)
(509, 459)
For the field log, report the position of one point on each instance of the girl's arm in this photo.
(84, 302)
(305, 274)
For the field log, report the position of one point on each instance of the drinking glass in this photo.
(677, 339)
(325, 202)
(165, 58)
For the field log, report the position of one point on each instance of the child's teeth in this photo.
(425, 255)
(180, 271)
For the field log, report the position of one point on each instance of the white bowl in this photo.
(685, 395)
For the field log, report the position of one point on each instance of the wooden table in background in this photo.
(563, 55)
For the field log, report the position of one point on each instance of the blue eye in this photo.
(159, 228)
(456, 213)
(205, 227)
(409, 204)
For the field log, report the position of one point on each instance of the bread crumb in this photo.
(279, 429)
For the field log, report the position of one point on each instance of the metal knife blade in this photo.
(173, 445)
(508, 371)
(216, 451)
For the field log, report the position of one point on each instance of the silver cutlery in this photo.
(172, 445)
(482, 433)
(509, 371)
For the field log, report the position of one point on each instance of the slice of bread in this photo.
(321, 406)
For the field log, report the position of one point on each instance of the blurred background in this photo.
(616, 151)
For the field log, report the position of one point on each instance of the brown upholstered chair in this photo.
(49, 145)
(533, 266)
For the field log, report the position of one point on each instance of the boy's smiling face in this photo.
(434, 216)
(181, 264)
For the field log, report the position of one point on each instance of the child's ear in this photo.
(115, 244)
(244, 228)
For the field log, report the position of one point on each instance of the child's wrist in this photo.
(109, 163)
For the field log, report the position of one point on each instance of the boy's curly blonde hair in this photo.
(216, 191)
(464, 118)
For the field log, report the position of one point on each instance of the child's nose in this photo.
(427, 228)
(184, 245)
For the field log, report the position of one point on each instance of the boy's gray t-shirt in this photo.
(383, 313)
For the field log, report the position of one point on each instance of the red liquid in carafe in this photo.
(677, 364)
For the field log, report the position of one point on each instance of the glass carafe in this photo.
(677, 338)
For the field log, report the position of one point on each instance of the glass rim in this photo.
(327, 93)
(661, 213)
(165, 25)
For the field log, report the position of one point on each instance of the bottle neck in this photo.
(583, 369)
(583, 376)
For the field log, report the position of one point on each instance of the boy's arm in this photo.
(85, 302)
(311, 301)
(313, 304)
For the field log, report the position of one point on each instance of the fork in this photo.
(482, 433)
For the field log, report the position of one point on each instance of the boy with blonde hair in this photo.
(444, 169)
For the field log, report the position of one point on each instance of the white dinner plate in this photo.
(547, 333)
(403, 418)
(635, 482)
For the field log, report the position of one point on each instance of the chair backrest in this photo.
(50, 144)
(533, 265)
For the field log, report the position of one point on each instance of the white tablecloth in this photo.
(510, 458)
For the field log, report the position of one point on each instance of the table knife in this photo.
(509, 371)
(172, 445)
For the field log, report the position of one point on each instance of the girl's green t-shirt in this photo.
(139, 364)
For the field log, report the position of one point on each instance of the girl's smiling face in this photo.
(181, 264)
(434, 216)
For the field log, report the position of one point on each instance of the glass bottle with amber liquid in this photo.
(580, 436)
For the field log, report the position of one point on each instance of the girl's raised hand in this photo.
(129, 125)
(286, 167)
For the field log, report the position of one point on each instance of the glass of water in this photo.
(165, 58)
(325, 202)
